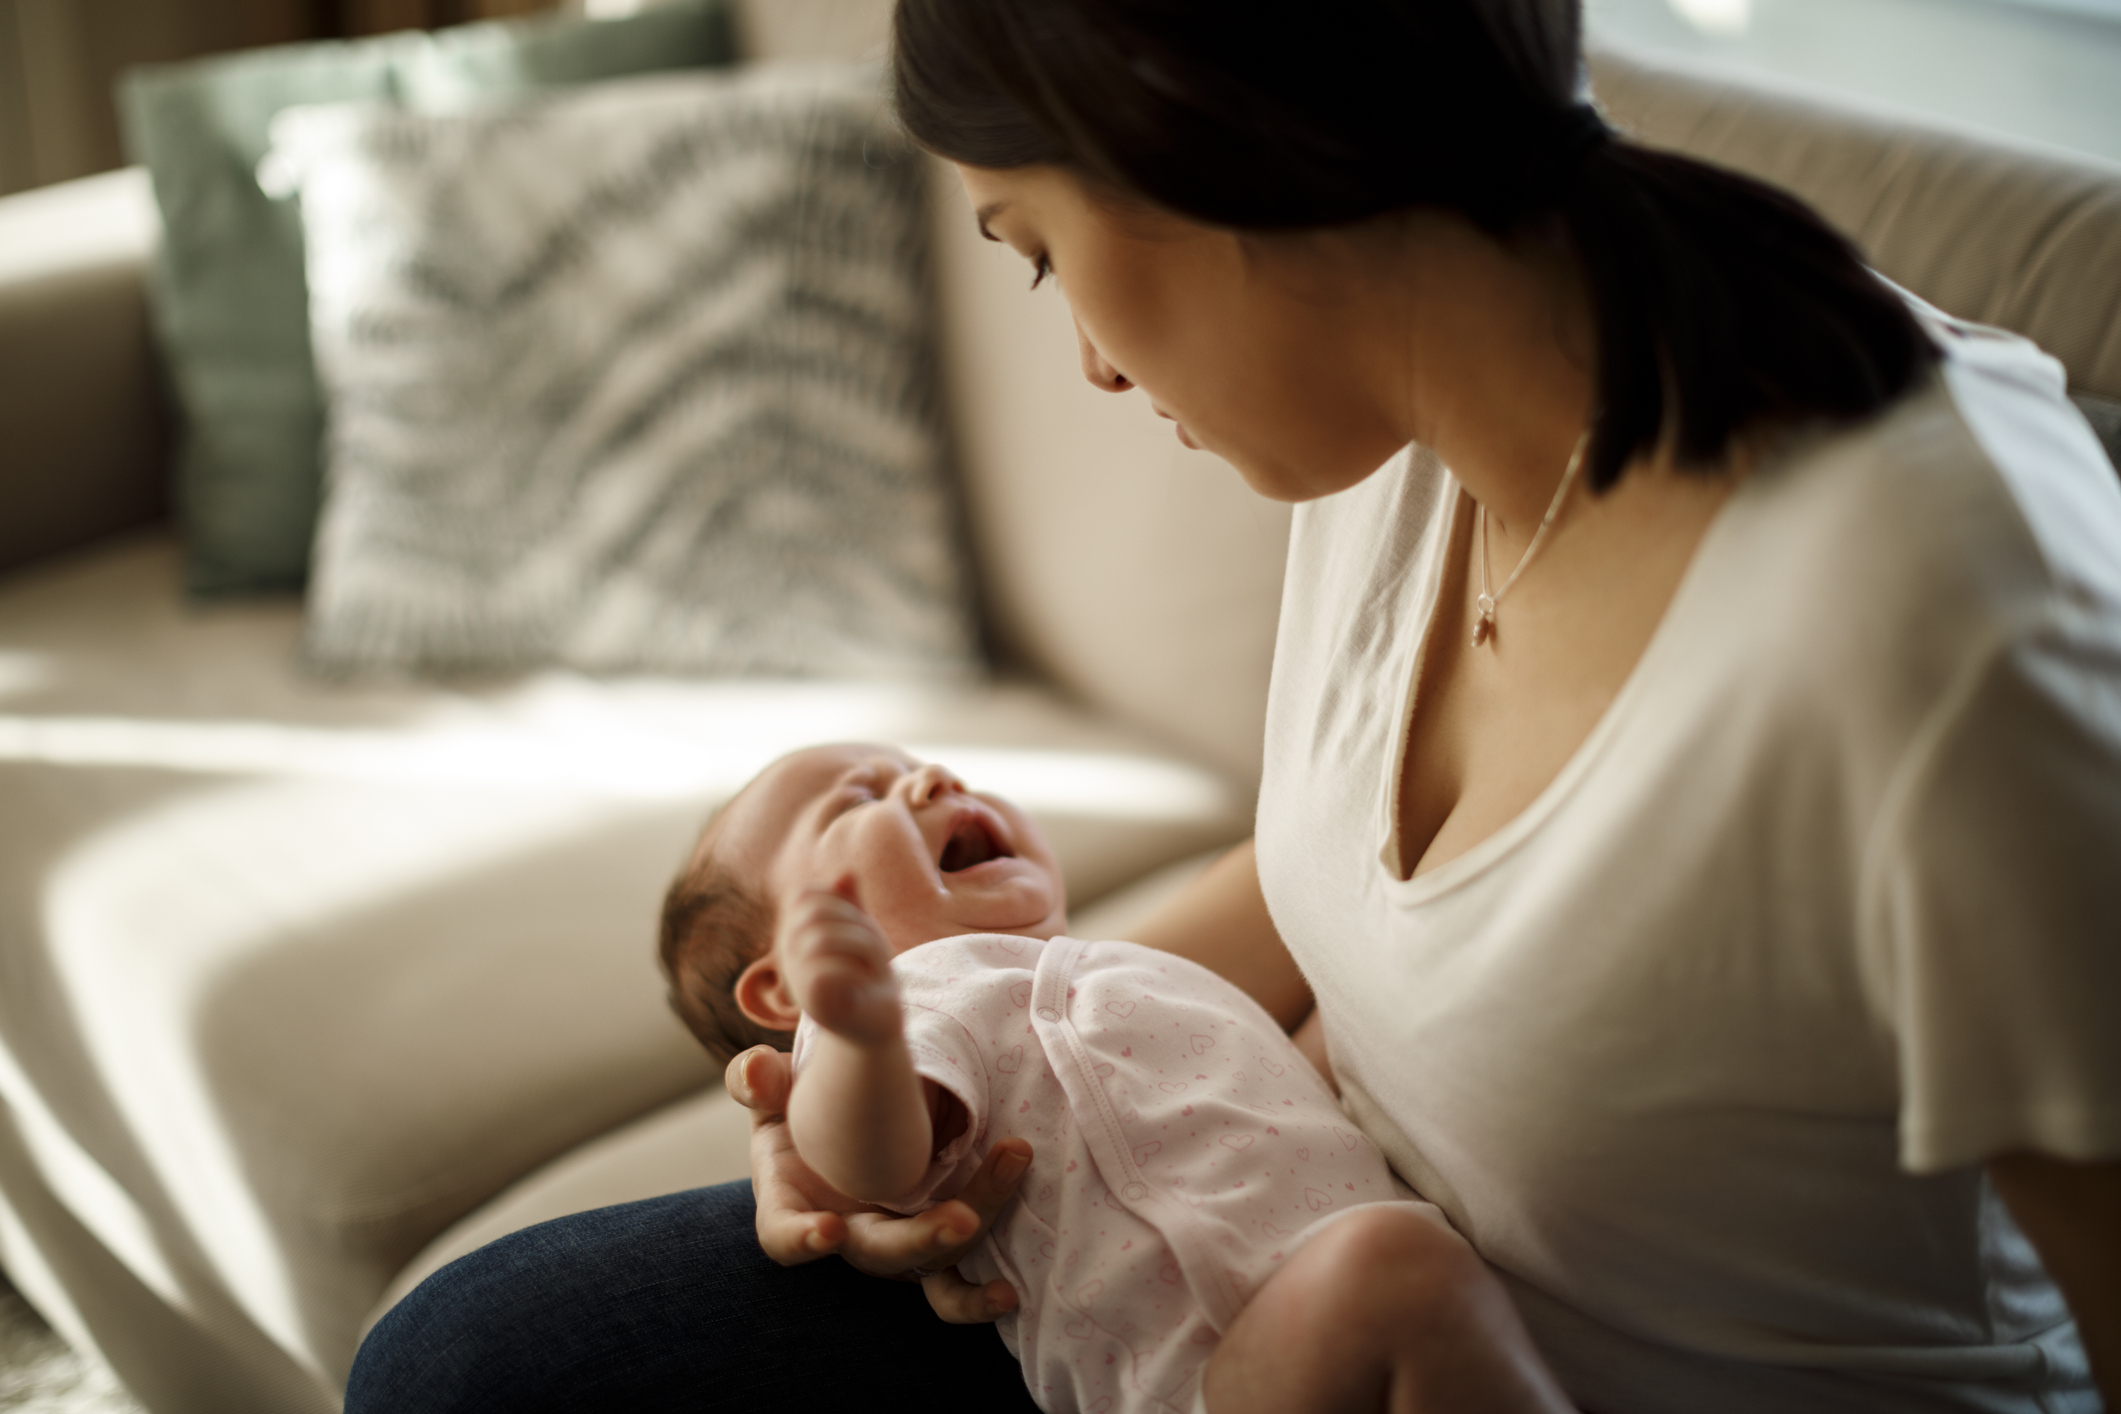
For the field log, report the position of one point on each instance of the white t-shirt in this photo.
(1704, 1049)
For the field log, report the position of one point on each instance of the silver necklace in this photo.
(1484, 630)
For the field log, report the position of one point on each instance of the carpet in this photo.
(41, 1374)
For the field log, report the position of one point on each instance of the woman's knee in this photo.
(503, 1326)
(658, 1306)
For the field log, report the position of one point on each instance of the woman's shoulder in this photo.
(1872, 585)
(2037, 456)
(1975, 509)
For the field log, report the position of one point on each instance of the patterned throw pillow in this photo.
(229, 306)
(637, 378)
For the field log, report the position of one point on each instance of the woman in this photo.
(1692, 814)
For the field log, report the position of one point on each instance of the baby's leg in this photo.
(1383, 1310)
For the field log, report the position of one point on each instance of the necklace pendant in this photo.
(1484, 628)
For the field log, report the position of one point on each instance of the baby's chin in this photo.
(1009, 895)
(1041, 919)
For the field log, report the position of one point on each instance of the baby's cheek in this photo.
(908, 920)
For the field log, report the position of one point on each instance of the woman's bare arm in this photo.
(1220, 920)
(2072, 1214)
(1310, 1038)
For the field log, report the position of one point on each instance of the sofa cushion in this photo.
(637, 377)
(81, 395)
(299, 975)
(229, 297)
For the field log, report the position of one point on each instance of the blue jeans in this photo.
(669, 1305)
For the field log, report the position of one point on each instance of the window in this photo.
(2045, 70)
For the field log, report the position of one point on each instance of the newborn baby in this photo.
(907, 933)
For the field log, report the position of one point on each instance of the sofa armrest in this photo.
(83, 422)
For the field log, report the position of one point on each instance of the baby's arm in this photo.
(858, 1115)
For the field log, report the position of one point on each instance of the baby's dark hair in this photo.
(714, 925)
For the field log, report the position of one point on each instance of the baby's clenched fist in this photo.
(839, 968)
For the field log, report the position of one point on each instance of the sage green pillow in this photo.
(229, 299)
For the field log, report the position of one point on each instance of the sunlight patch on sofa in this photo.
(146, 920)
(24, 672)
(605, 759)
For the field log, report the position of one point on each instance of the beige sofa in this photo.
(305, 989)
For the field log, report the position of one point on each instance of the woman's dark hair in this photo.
(1719, 302)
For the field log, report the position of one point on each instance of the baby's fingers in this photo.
(962, 1304)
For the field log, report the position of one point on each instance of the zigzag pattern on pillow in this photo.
(636, 378)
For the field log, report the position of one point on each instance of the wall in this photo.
(59, 58)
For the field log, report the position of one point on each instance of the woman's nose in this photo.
(1102, 375)
(929, 782)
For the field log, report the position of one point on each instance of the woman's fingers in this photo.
(886, 1245)
(792, 1229)
(890, 1246)
(800, 1217)
(759, 1079)
(794, 1223)
(956, 1300)
(962, 1304)
(992, 1188)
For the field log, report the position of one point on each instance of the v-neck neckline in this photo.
(1490, 849)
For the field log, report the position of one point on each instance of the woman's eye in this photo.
(1041, 267)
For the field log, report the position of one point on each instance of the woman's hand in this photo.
(2071, 1212)
(802, 1218)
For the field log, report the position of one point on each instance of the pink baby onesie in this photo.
(1181, 1148)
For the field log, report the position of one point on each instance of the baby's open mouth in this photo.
(972, 841)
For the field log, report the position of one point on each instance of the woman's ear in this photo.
(762, 994)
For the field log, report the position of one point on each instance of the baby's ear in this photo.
(762, 994)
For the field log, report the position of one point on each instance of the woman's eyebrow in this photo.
(986, 213)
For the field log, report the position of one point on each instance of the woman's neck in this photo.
(1492, 363)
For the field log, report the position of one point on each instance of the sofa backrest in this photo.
(83, 424)
(1139, 577)
(2019, 236)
